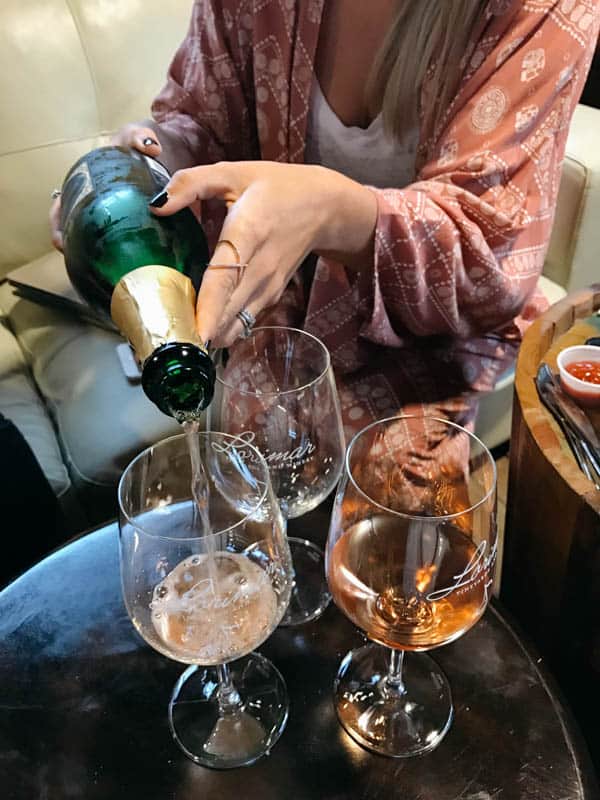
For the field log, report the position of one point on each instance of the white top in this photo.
(368, 155)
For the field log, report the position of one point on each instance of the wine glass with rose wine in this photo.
(410, 560)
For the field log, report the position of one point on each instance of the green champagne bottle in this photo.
(141, 269)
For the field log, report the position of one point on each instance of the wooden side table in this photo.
(551, 569)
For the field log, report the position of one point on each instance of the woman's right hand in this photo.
(141, 137)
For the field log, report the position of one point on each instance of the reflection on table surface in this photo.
(83, 706)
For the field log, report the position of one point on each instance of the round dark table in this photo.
(83, 707)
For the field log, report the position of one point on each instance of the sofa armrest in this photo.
(21, 403)
(574, 249)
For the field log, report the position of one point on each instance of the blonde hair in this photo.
(426, 35)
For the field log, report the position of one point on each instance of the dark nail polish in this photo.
(148, 141)
(159, 200)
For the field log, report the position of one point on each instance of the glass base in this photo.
(237, 737)
(394, 721)
(310, 594)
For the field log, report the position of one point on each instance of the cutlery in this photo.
(575, 423)
(579, 453)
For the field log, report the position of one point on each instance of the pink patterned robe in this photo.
(439, 311)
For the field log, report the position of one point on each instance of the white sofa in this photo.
(71, 72)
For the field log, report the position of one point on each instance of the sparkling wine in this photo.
(141, 269)
(214, 608)
(200, 488)
(409, 586)
(200, 494)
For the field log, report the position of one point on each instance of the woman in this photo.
(414, 146)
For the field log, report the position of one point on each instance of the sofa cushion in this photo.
(21, 403)
(102, 419)
(495, 408)
(573, 253)
(25, 233)
(568, 210)
(70, 72)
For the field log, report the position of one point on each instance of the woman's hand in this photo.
(278, 213)
(136, 135)
(54, 218)
(140, 137)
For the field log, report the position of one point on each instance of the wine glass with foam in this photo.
(206, 589)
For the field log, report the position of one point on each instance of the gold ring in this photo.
(233, 247)
(240, 267)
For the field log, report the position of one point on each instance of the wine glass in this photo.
(277, 391)
(205, 586)
(410, 560)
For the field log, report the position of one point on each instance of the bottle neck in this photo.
(153, 305)
(179, 378)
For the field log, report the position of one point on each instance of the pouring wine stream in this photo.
(235, 730)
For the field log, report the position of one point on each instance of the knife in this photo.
(573, 420)
(579, 454)
(575, 415)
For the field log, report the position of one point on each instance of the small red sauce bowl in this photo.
(585, 392)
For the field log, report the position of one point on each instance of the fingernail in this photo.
(159, 200)
(148, 141)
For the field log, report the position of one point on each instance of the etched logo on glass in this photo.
(479, 567)
(276, 459)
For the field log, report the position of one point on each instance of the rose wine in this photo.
(214, 608)
(410, 585)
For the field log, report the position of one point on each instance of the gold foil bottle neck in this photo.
(153, 305)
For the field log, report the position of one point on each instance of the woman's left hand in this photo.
(277, 214)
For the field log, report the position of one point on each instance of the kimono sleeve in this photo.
(460, 251)
(205, 99)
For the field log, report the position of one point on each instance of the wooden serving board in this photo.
(569, 322)
(551, 569)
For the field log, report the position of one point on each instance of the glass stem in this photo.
(294, 595)
(229, 699)
(393, 683)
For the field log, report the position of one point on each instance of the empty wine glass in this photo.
(207, 588)
(277, 391)
(410, 560)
